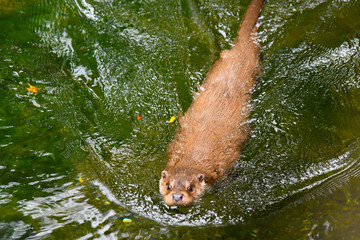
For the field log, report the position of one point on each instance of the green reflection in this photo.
(99, 64)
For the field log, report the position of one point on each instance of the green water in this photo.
(99, 64)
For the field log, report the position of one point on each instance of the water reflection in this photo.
(99, 64)
(303, 166)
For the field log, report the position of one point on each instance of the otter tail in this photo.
(248, 24)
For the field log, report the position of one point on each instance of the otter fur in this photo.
(213, 130)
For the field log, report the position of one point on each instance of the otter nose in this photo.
(177, 197)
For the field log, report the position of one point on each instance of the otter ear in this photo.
(201, 177)
(164, 174)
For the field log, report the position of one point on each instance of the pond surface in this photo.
(87, 90)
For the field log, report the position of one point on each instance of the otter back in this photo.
(214, 128)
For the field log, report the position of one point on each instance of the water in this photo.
(76, 161)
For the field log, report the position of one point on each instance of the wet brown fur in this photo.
(215, 126)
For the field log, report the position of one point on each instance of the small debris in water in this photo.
(32, 88)
(127, 220)
(254, 233)
(172, 119)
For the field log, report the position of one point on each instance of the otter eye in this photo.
(190, 188)
(168, 187)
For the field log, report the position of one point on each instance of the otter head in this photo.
(180, 187)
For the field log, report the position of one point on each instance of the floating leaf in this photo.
(172, 119)
(32, 88)
(127, 220)
(81, 180)
(139, 117)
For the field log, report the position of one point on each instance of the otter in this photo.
(211, 133)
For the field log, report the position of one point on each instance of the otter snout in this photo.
(177, 197)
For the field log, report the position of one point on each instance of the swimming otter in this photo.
(211, 133)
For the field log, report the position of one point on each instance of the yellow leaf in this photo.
(127, 220)
(108, 203)
(81, 180)
(32, 88)
(172, 119)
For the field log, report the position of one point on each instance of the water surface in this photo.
(76, 159)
